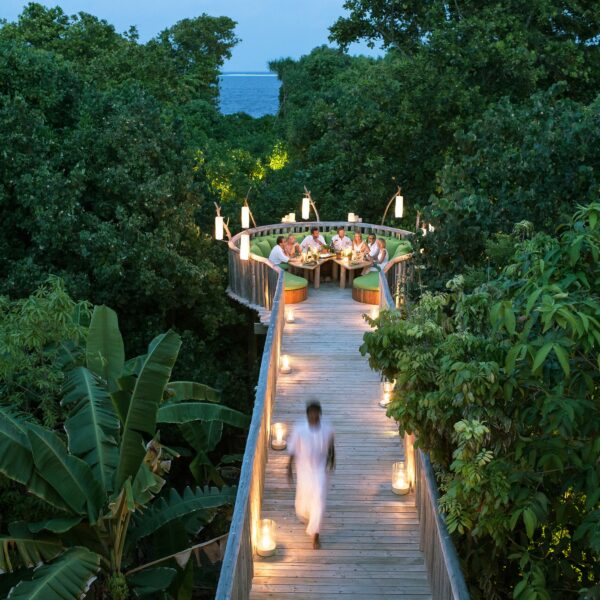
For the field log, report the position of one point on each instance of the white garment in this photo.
(373, 249)
(278, 255)
(357, 247)
(310, 447)
(341, 243)
(309, 242)
(382, 258)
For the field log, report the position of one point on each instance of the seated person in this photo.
(358, 244)
(380, 259)
(278, 256)
(291, 246)
(372, 245)
(340, 241)
(315, 240)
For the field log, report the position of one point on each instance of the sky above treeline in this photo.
(269, 29)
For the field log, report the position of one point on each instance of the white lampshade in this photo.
(219, 228)
(399, 206)
(431, 228)
(292, 217)
(351, 217)
(305, 207)
(245, 217)
(245, 246)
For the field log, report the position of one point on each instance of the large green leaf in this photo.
(16, 461)
(202, 436)
(146, 396)
(150, 581)
(70, 476)
(92, 426)
(105, 354)
(185, 412)
(190, 390)
(167, 510)
(68, 577)
(23, 549)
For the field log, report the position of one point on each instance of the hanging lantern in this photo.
(284, 366)
(245, 246)
(399, 206)
(430, 228)
(219, 228)
(266, 543)
(289, 315)
(278, 437)
(400, 480)
(305, 207)
(245, 217)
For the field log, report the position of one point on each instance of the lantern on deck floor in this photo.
(284, 366)
(400, 480)
(278, 437)
(305, 207)
(245, 217)
(245, 246)
(388, 388)
(374, 313)
(219, 228)
(266, 544)
(399, 210)
(289, 315)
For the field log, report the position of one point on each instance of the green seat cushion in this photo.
(392, 244)
(293, 282)
(284, 266)
(264, 246)
(255, 249)
(328, 236)
(404, 247)
(367, 282)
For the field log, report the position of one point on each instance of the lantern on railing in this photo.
(305, 207)
(399, 209)
(245, 217)
(290, 317)
(400, 480)
(244, 246)
(278, 437)
(284, 365)
(219, 229)
(267, 543)
(351, 217)
(291, 217)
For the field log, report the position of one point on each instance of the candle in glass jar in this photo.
(278, 437)
(400, 481)
(289, 315)
(285, 364)
(266, 543)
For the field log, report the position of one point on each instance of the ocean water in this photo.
(256, 94)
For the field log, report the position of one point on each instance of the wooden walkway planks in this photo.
(370, 537)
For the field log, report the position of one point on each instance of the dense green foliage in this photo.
(501, 387)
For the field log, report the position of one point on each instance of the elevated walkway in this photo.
(370, 537)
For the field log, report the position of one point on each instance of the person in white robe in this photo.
(311, 448)
(278, 255)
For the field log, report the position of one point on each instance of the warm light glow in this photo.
(292, 217)
(305, 207)
(219, 228)
(399, 206)
(374, 313)
(289, 315)
(431, 228)
(278, 437)
(266, 543)
(400, 481)
(351, 217)
(285, 364)
(245, 246)
(387, 398)
(245, 217)
(388, 386)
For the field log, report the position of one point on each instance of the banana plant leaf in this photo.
(68, 475)
(179, 391)
(58, 525)
(68, 577)
(204, 471)
(151, 581)
(175, 506)
(185, 412)
(21, 549)
(16, 460)
(146, 485)
(142, 406)
(105, 354)
(202, 436)
(93, 426)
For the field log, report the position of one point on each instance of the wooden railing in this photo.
(235, 580)
(259, 283)
(445, 575)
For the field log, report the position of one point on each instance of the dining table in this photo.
(312, 266)
(348, 267)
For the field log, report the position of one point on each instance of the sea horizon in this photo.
(255, 93)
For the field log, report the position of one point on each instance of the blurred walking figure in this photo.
(311, 447)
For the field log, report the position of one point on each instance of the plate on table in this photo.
(325, 255)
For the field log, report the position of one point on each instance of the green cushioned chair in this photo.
(264, 247)
(404, 247)
(391, 244)
(328, 236)
(369, 282)
(294, 282)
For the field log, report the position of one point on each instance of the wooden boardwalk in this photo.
(370, 537)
